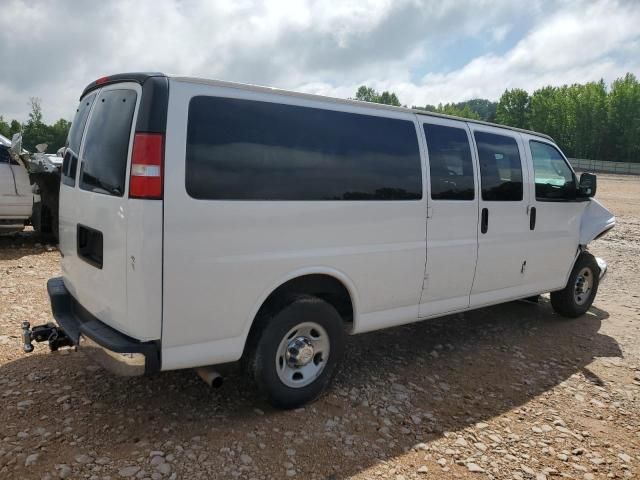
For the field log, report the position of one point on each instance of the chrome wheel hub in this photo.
(299, 352)
(302, 354)
(584, 283)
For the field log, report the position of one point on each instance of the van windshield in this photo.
(106, 143)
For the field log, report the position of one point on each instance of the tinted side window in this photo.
(74, 139)
(104, 158)
(554, 178)
(450, 164)
(500, 167)
(4, 154)
(249, 150)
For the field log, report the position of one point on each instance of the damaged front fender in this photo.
(596, 221)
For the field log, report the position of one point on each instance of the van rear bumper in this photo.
(110, 348)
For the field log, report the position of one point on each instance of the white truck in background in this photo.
(29, 188)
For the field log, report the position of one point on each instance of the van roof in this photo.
(141, 77)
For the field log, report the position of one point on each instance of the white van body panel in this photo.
(227, 349)
(221, 258)
(125, 292)
(144, 267)
(595, 220)
(16, 195)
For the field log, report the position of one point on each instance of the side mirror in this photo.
(588, 185)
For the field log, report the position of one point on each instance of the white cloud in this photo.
(500, 32)
(53, 49)
(573, 45)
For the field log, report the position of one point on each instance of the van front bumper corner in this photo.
(113, 350)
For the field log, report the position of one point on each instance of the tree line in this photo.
(35, 131)
(587, 120)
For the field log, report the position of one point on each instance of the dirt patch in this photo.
(511, 391)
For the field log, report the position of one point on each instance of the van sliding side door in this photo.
(452, 216)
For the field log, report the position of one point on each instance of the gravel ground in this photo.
(511, 391)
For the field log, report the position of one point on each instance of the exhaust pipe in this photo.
(210, 376)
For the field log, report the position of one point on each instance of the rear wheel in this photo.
(576, 298)
(45, 212)
(296, 352)
(41, 218)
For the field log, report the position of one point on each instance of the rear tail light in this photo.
(146, 166)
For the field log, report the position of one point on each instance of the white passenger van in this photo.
(205, 222)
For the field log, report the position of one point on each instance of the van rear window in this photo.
(250, 150)
(106, 143)
(70, 162)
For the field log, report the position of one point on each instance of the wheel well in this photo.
(326, 287)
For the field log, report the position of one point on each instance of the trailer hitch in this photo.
(48, 332)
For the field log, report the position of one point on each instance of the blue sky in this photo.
(426, 51)
(463, 49)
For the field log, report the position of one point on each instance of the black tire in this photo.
(266, 341)
(41, 218)
(569, 302)
(45, 213)
(54, 224)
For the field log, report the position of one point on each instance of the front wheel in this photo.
(576, 298)
(297, 351)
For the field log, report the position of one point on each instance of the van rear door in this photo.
(110, 244)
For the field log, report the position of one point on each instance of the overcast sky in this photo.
(426, 51)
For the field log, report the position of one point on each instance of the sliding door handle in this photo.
(532, 218)
(484, 220)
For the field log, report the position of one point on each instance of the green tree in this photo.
(369, 94)
(543, 111)
(5, 128)
(486, 109)
(513, 108)
(58, 132)
(366, 94)
(35, 131)
(15, 127)
(462, 109)
(552, 111)
(456, 111)
(389, 98)
(35, 115)
(624, 119)
(589, 110)
(586, 120)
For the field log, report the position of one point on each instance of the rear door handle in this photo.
(532, 218)
(484, 220)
